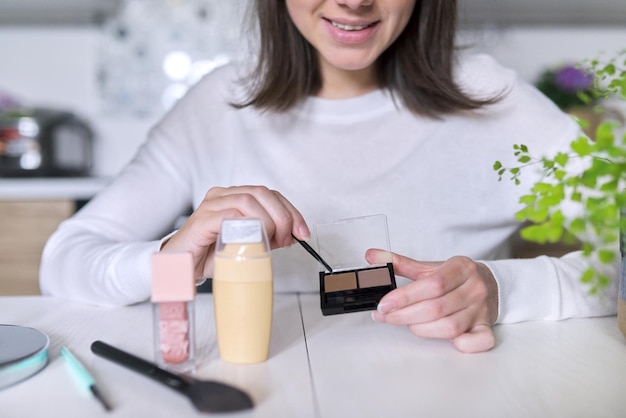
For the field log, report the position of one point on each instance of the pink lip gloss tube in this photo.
(173, 292)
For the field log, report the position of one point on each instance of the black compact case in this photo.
(355, 290)
(349, 284)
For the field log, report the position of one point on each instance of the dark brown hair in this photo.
(417, 67)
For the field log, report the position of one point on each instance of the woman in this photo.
(354, 107)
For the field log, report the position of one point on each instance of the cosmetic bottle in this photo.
(243, 291)
(173, 292)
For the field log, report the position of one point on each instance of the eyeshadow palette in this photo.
(349, 284)
(355, 290)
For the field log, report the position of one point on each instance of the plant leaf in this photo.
(581, 146)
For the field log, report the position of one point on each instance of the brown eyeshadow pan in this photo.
(339, 282)
(374, 277)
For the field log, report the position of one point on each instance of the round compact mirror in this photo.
(23, 352)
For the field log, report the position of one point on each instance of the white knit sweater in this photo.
(334, 159)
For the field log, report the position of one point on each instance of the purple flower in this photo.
(572, 79)
(7, 101)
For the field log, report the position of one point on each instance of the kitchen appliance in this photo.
(42, 142)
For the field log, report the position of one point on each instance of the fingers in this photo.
(403, 266)
(460, 328)
(478, 339)
(278, 215)
(411, 309)
(430, 280)
(454, 300)
(199, 233)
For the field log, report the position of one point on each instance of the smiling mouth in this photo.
(350, 27)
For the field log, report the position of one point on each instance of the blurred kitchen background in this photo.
(104, 71)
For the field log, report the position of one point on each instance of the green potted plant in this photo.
(598, 186)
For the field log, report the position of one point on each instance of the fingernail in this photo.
(304, 231)
(386, 306)
(374, 316)
(380, 257)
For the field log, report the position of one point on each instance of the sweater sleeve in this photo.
(101, 255)
(550, 288)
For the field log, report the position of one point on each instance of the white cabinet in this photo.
(542, 12)
(46, 12)
(472, 12)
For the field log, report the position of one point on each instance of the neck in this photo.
(344, 84)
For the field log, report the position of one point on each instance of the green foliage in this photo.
(598, 187)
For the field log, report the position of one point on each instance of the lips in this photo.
(351, 32)
(347, 27)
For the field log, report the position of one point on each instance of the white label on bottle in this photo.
(242, 231)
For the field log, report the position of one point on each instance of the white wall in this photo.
(57, 67)
(529, 50)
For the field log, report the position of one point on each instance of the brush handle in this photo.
(139, 365)
(314, 253)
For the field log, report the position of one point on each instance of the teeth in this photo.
(348, 27)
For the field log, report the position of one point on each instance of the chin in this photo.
(347, 63)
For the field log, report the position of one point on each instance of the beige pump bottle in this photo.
(243, 291)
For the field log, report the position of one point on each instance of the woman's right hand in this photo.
(200, 231)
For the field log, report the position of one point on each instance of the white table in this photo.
(339, 366)
(280, 387)
(574, 368)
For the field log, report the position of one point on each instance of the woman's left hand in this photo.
(455, 299)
